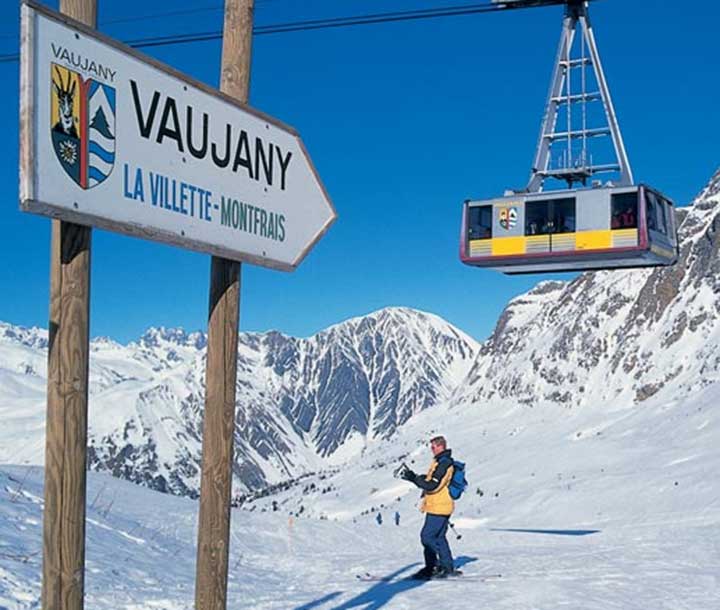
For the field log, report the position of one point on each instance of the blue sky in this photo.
(403, 121)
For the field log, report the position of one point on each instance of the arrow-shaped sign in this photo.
(115, 139)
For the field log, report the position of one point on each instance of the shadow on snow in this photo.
(382, 591)
(550, 532)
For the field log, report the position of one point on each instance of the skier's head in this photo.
(438, 444)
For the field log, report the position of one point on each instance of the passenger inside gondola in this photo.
(624, 211)
(625, 219)
(563, 211)
(537, 218)
(565, 224)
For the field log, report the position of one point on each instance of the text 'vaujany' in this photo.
(159, 119)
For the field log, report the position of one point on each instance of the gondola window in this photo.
(624, 211)
(480, 222)
(563, 215)
(651, 211)
(662, 216)
(537, 218)
(655, 213)
(550, 216)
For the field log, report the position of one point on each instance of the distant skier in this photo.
(397, 518)
(437, 506)
(379, 519)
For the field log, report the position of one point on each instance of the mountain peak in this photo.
(29, 337)
(158, 336)
(104, 342)
(398, 319)
(711, 192)
(547, 287)
(695, 219)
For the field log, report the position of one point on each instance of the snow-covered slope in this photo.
(301, 402)
(612, 337)
(586, 509)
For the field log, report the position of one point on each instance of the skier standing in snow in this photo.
(437, 506)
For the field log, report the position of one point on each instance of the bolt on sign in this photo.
(114, 139)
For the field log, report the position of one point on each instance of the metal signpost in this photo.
(114, 139)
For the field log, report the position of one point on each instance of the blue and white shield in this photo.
(100, 132)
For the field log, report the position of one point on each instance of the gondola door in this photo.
(562, 224)
(550, 225)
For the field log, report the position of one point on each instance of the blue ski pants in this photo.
(435, 544)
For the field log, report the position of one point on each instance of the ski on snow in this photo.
(367, 577)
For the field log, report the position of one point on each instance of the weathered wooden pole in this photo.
(221, 372)
(63, 585)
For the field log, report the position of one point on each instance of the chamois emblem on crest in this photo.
(82, 119)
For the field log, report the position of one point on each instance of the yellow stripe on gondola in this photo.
(504, 246)
(582, 240)
(593, 240)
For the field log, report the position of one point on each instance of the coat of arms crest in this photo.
(82, 126)
(508, 218)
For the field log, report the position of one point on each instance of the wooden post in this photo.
(221, 372)
(63, 584)
(66, 428)
(67, 400)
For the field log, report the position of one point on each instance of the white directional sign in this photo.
(114, 139)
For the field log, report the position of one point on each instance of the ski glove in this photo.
(409, 475)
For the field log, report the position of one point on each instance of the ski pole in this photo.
(457, 536)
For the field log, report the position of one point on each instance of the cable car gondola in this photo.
(604, 226)
(582, 229)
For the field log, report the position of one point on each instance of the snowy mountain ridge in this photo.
(302, 403)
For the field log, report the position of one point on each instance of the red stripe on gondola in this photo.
(642, 216)
(463, 231)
